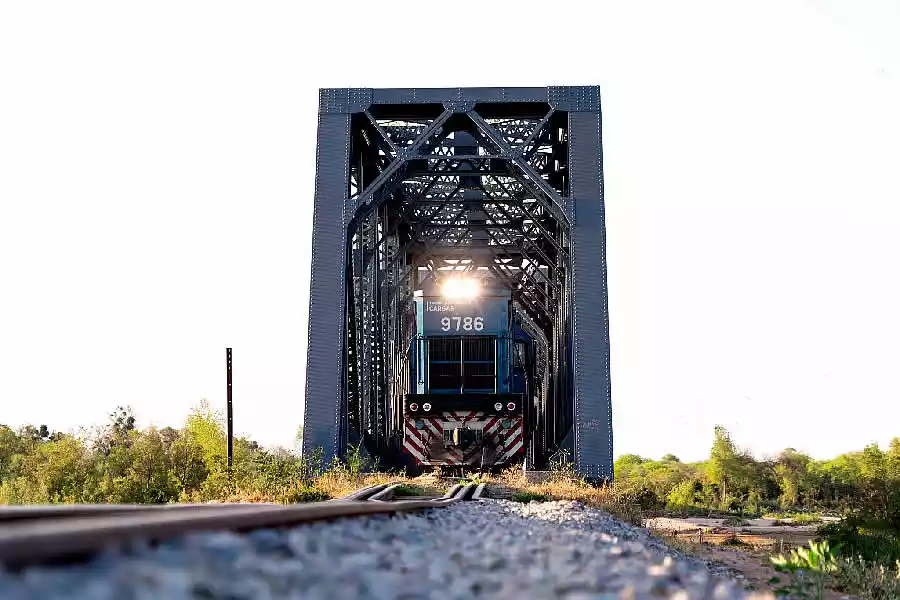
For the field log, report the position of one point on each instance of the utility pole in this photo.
(230, 413)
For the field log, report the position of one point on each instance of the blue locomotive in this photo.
(471, 375)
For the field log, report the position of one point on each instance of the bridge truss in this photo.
(501, 183)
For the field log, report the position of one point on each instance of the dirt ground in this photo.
(760, 540)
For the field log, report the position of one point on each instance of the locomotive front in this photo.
(465, 406)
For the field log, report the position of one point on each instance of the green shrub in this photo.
(637, 495)
(530, 497)
(870, 579)
(854, 540)
(22, 490)
(305, 494)
(408, 489)
(684, 494)
(806, 519)
(734, 541)
(357, 460)
(809, 570)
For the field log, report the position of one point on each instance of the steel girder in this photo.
(498, 182)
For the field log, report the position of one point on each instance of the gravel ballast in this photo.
(485, 549)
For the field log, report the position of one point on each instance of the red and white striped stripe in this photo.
(416, 441)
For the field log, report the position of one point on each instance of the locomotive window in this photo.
(519, 360)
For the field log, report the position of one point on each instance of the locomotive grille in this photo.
(462, 364)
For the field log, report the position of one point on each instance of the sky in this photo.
(156, 185)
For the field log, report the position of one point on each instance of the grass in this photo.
(305, 494)
(684, 544)
(806, 519)
(794, 518)
(869, 579)
(410, 489)
(735, 541)
(526, 497)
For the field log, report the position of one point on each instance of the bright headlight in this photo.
(459, 287)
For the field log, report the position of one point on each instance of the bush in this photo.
(809, 569)
(682, 495)
(806, 519)
(530, 497)
(408, 489)
(22, 490)
(869, 579)
(637, 495)
(305, 494)
(855, 541)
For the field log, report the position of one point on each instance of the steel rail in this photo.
(38, 534)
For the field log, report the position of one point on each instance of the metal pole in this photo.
(230, 414)
(462, 372)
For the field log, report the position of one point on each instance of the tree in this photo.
(628, 466)
(684, 494)
(791, 469)
(207, 427)
(725, 463)
(149, 478)
(892, 458)
(169, 435)
(62, 468)
(187, 462)
(662, 476)
(873, 480)
(116, 432)
(10, 446)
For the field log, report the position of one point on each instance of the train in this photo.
(470, 391)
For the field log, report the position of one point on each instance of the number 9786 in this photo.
(462, 323)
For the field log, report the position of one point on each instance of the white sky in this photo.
(156, 179)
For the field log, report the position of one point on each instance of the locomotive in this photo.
(468, 400)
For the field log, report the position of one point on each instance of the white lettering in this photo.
(439, 307)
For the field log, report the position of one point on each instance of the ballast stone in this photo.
(487, 549)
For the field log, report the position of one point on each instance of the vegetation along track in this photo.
(34, 534)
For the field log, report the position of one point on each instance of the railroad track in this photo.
(36, 534)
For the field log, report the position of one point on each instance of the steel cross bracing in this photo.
(500, 183)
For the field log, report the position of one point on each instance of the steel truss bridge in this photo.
(500, 183)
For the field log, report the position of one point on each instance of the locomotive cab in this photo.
(467, 378)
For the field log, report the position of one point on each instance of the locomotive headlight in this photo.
(498, 406)
(459, 287)
(426, 407)
(413, 407)
(511, 406)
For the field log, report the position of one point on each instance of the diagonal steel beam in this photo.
(367, 197)
(519, 162)
(541, 124)
(533, 218)
(382, 133)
